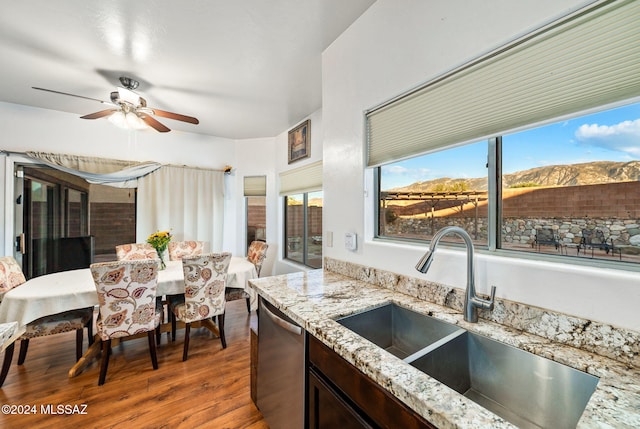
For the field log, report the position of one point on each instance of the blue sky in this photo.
(613, 135)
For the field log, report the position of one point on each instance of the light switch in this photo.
(350, 241)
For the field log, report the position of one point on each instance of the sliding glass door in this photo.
(47, 210)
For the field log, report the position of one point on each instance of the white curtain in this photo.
(101, 171)
(187, 201)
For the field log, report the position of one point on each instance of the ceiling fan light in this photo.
(118, 120)
(135, 122)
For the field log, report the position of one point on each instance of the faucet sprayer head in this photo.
(425, 262)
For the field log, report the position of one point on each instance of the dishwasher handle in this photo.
(281, 322)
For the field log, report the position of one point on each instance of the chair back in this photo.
(205, 278)
(134, 251)
(126, 296)
(256, 254)
(180, 249)
(10, 274)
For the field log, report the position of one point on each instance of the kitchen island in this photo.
(315, 299)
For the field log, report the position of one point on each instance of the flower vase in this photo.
(162, 255)
(162, 263)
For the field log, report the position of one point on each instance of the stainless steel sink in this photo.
(524, 389)
(400, 331)
(527, 390)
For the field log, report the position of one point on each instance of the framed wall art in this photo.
(300, 141)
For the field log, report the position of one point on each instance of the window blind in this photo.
(580, 62)
(303, 179)
(255, 186)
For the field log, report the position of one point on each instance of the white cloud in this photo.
(395, 169)
(622, 137)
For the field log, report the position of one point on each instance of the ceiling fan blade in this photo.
(71, 95)
(176, 116)
(100, 114)
(149, 120)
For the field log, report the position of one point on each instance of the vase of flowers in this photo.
(160, 240)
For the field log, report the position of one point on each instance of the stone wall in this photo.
(613, 208)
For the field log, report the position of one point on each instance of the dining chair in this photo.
(7, 344)
(127, 304)
(180, 249)
(205, 277)
(256, 254)
(74, 320)
(133, 251)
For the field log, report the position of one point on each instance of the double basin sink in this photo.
(527, 390)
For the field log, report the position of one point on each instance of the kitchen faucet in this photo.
(471, 300)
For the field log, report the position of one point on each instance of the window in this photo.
(301, 189)
(568, 189)
(421, 195)
(255, 191)
(303, 228)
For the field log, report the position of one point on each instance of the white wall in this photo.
(395, 46)
(257, 157)
(316, 147)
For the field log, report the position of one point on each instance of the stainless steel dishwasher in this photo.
(280, 380)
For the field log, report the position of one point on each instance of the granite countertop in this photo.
(316, 298)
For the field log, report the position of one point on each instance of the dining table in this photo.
(74, 289)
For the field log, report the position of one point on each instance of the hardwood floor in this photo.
(210, 390)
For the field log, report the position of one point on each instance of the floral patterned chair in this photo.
(180, 249)
(256, 254)
(127, 299)
(205, 277)
(7, 344)
(75, 320)
(133, 251)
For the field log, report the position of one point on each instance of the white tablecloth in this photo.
(70, 290)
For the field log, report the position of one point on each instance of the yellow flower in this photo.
(159, 240)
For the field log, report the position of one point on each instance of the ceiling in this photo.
(244, 68)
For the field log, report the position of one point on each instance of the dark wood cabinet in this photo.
(327, 408)
(339, 395)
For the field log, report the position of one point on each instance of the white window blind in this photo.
(255, 186)
(583, 61)
(303, 179)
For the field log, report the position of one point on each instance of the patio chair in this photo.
(127, 296)
(205, 277)
(594, 239)
(545, 236)
(74, 320)
(179, 249)
(256, 254)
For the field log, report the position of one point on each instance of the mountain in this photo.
(554, 175)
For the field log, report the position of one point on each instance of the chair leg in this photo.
(173, 327)
(221, 329)
(90, 332)
(6, 363)
(79, 338)
(24, 346)
(187, 334)
(158, 335)
(104, 364)
(152, 350)
(248, 305)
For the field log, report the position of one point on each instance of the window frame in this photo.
(305, 230)
(494, 216)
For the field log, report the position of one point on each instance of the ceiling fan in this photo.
(130, 109)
